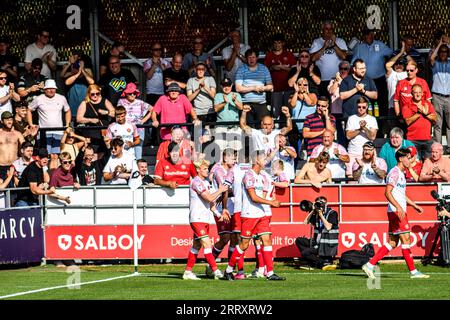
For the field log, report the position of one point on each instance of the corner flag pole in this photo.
(135, 234)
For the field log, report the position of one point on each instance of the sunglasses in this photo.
(67, 162)
(3, 78)
(345, 69)
(410, 70)
(323, 105)
(95, 94)
(201, 69)
(362, 107)
(131, 93)
(303, 84)
(304, 56)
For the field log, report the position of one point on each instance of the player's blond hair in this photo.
(200, 163)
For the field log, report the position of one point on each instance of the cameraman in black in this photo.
(320, 251)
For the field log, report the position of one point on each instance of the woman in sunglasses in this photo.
(305, 68)
(95, 111)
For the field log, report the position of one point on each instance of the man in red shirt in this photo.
(173, 108)
(403, 90)
(64, 175)
(419, 116)
(171, 172)
(186, 146)
(279, 62)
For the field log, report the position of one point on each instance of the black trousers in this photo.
(311, 254)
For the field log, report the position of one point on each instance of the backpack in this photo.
(354, 259)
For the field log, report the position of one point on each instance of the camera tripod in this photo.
(443, 256)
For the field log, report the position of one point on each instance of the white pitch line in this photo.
(306, 272)
(65, 286)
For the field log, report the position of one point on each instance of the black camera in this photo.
(443, 203)
(308, 206)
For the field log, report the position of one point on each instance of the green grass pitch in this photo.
(163, 281)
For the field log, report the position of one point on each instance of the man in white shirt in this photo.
(370, 168)
(327, 52)
(361, 127)
(43, 50)
(234, 55)
(118, 168)
(124, 129)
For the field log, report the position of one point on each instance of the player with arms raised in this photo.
(201, 197)
(398, 221)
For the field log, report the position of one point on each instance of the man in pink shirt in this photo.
(436, 168)
(172, 108)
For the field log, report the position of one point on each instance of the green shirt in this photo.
(230, 112)
(388, 153)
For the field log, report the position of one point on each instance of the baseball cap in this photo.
(226, 82)
(412, 150)
(174, 87)
(50, 84)
(367, 30)
(205, 132)
(42, 153)
(200, 63)
(369, 144)
(7, 115)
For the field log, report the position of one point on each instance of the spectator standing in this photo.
(355, 86)
(374, 52)
(153, 70)
(187, 148)
(7, 93)
(315, 172)
(4, 183)
(43, 50)
(70, 145)
(138, 112)
(234, 55)
(197, 54)
(436, 168)
(31, 84)
(412, 53)
(253, 80)
(327, 52)
(227, 105)
(172, 172)
(125, 130)
(8, 61)
(115, 80)
(89, 167)
(21, 123)
(419, 116)
(339, 157)
(64, 175)
(336, 101)
(117, 50)
(316, 124)
(172, 108)
(201, 90)
(279, 62)
(369, 168)
(395, 142)
(441, 89)
(118, 168)
(10, 141)
(51, 107)
(305, 68)
(26, 157)
(175, 73)
(95, 111)
(78, 75)
(264, 138)
(361, 127)
(285, 153)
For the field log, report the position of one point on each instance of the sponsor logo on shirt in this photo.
(118, 84)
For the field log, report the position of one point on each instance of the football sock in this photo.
(216, 252)
(240, 262)
(192, 257)
(236, 253)
(210, 258)
(380, 254)
(230, 252)
(259, 257)
(406, 251)
(267, 254)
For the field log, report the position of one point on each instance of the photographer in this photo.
(320, 251)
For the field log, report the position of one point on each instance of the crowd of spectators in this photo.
(316, 113)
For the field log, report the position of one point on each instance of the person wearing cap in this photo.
(395, 71)
(436, 168)
(412, 173)
(279, 62)
(360, 128)
(31, 84)
(253, 81)
(396, 141)
(190, 59)
(420, 116)
(8, 61)
(234, 55)
(187, 146)
(35, 177)
(43, 50)
(374, 52)
(77, 74)
(201, 90)
(10, 141)
(227, 104)
(137, 112)
(118, 168)
(125, 130)
(7, 93)
(172, 108)
(21, 123)
(355, 86)
(369, 168)
(50, 107)
(115, 80)
(172, 172)
(326, 52)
